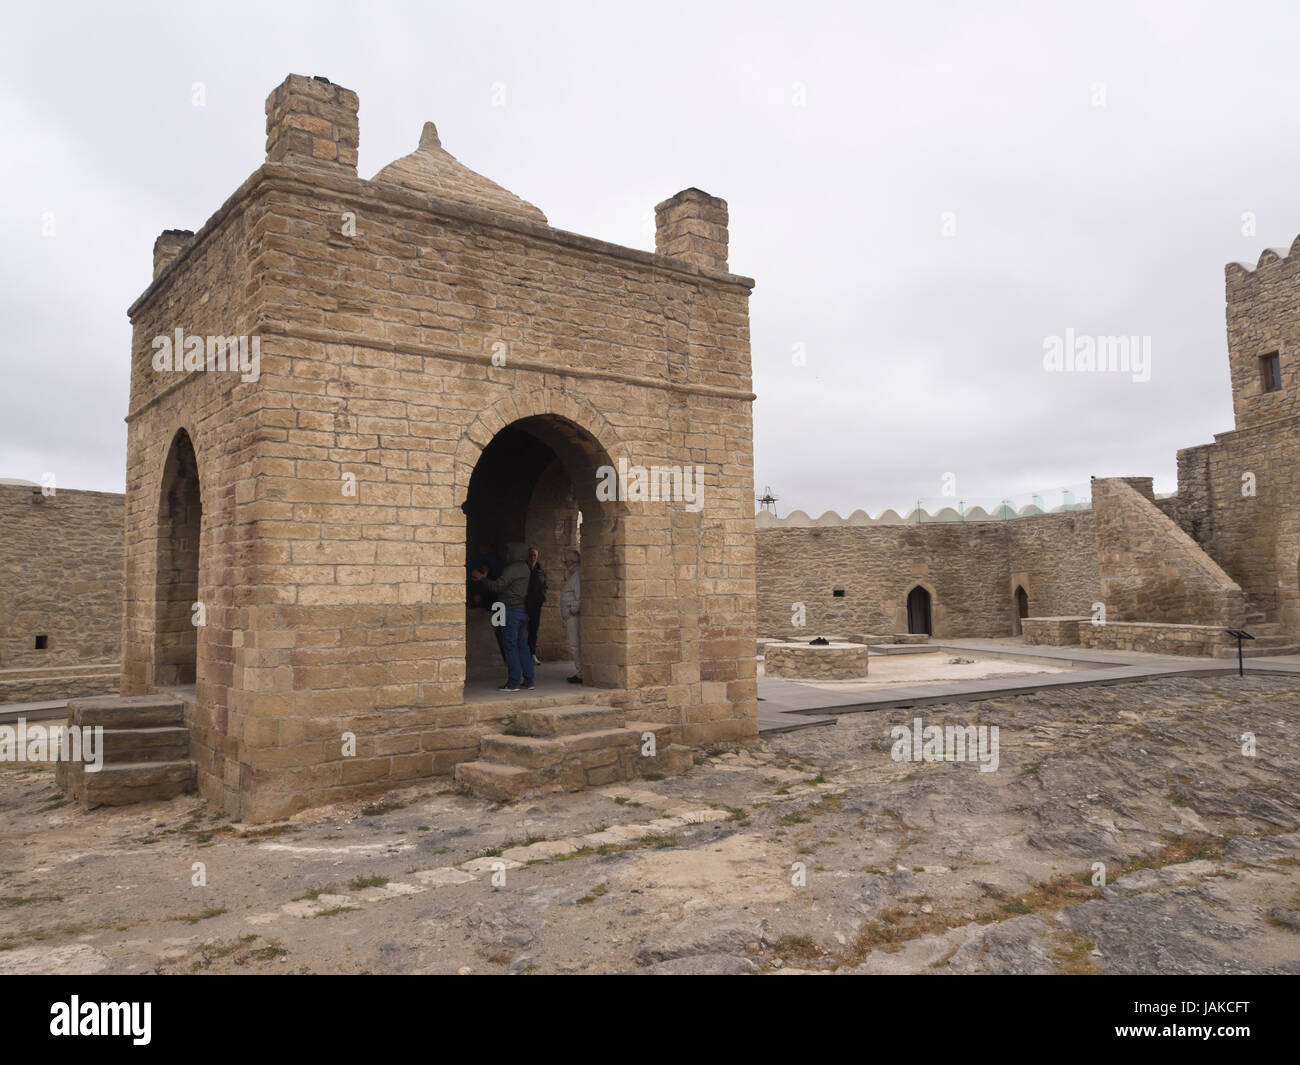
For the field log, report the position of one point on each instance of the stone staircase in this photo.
(1269, 638)
(146, 748)
(568, 748)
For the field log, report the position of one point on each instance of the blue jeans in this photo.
(517, 653)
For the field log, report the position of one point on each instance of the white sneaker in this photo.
(536, 661)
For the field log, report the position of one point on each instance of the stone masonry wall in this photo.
(971, 570)
(60, 577)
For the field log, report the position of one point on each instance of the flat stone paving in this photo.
(787, 705)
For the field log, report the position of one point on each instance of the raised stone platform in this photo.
(1160, 638)
(837, 660)
(1053, 631)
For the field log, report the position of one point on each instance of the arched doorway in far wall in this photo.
(918, 612)
(1022, 607)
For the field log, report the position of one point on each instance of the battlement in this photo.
(798, 519)
(1263, 326)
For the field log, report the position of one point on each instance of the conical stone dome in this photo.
(432, 170)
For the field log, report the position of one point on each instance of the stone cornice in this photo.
(400, 202)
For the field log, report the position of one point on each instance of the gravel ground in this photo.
(812, 851)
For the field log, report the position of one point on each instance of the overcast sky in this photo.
(924, 193)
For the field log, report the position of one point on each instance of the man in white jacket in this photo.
(571, 610)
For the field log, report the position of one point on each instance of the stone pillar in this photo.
(312, 121)
(169, 244)
(692, 226)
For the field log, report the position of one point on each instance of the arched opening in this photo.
(534, 484)
(1022, 607)
(918, 612)
(180, 522)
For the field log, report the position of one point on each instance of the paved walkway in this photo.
(787, 704)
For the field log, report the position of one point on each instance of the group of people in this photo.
(520, 587)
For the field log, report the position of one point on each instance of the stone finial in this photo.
(312, 122)
(692, 226)
(169, 244)
(429, 136)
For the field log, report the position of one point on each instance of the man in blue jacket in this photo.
(511, 590)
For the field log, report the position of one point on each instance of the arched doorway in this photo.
(176, 591)
(1022, 607)
(532, 483)
(918, 612)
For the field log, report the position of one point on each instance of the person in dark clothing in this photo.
(533, 603)
(511, 589)
(478, 596)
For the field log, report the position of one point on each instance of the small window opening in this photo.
(42, 643)
(838, 593)
(1270, 368)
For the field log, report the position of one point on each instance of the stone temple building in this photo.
(426, 365)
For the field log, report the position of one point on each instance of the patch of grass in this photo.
(502, 957)
(195, 918)
(384, 806)
(269, 952)
(334, 911)
(782, 791)
(270, 831)
(423, 828)
(1030, 770)
(797, 948)
(652, 776)
(659, 842)
(820, 778)
(596, 892)
(9, 902)
(315, 893)
(1074, 956)
(891, 930)
(491, 852)
(795, 818)
(363, 882)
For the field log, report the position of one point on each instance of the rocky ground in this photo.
(813, 851)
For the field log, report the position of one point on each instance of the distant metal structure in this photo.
(767, 500)
(1240, 634)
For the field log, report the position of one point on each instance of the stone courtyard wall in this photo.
(60, 577)
(971, 570)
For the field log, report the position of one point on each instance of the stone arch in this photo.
(574, 441)
(516, 407)
(178, 564)
(1020, 604)
(919, 610)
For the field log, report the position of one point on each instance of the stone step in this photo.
(127, 712)
(500, 783)
(67, 669)
(167, 743)
(128, 782)
(566, 720)
(57, 686)
(1253, 651)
